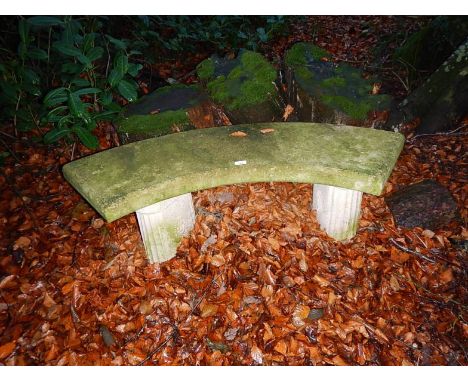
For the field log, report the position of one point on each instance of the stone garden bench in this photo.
(155, 177)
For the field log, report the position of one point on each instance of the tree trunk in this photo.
(441, 101)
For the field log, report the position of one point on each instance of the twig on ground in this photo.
(451, 132)
(407, 250)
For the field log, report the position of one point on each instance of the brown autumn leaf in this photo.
(97, 223)
(399, 256)
(266, 131)
(287, 112)
(48, 301)
(256, 354)
(300, 313)
(339, 361)
(7, 349)
(376, 88)
(238, 134)
(22, 242)
(428, 233)
(217, 260)
(208, 310)
(446, 276)
(281, 347)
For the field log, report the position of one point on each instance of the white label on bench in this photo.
(240, 162)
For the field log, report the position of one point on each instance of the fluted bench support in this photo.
(338, 210)
(163, 224)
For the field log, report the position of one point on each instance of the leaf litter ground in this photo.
(256, 282)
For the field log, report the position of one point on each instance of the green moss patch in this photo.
(246, 81)
(161, 112)
(340, 87)
(205, 70)
(156, 125)
(302, 53)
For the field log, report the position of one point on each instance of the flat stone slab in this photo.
(124, 179)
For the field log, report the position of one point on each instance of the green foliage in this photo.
(72, 72)
(213, 33)
(68, 74)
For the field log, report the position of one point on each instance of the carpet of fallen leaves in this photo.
(256, 282)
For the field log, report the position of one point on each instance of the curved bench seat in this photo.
(129, 178)
(124, 179)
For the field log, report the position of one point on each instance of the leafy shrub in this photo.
(76, 70)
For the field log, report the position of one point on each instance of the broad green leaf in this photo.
(127, 90)
(72, 68)
(133, 69)
(32, 89)
(87, 91)
(23, 29)
(86, 137)
(22, 50)
(108, 115)
(114, 107)
(77, 108)
(64, 121)
(95, 53)
(37, 54)
(55, 114)
(80, 82)
(121, 63)
(114, 77)
(54, 97)
(135, 52)
(55, 134)
(9, 91)
(119, 44)
(88, 42)
(44, 21)
(67, 49)
(85, 61)
(31, 76)
(106, 98)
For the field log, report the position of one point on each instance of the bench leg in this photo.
(163, 224)
(337, 209)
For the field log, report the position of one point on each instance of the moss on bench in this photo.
(124, 179)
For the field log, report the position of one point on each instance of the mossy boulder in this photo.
(244, 86)
(323, 91)
(162, 112)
